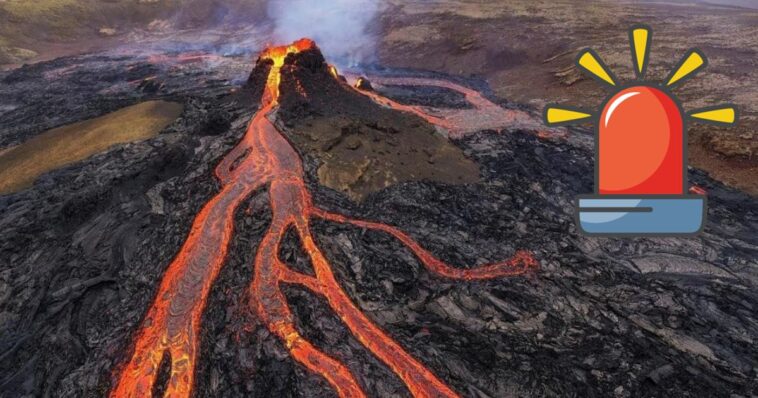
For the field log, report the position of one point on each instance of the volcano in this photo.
(297, 78)
(303, 233)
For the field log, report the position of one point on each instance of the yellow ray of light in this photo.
(592, 64)
(723, 115)
(640, 45)
(555, 115)
(693, 62)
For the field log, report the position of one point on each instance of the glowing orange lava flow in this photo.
(172, 324)
(484, 115)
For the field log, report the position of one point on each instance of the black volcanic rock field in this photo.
(83, 250)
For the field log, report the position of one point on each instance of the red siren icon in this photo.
(640, 145)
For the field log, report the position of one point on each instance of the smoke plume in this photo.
(339, 27)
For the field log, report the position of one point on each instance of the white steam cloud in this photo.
(339, 27)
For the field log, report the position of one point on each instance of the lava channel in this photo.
(172, 324)
(484, 114)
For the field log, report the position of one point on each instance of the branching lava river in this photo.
(264, 157)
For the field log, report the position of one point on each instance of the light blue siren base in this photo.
(606, 215)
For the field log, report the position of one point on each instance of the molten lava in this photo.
(263, 156)
(484, 115)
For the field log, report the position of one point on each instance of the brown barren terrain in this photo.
(22, 164)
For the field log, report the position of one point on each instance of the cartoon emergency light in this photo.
(640, 148)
